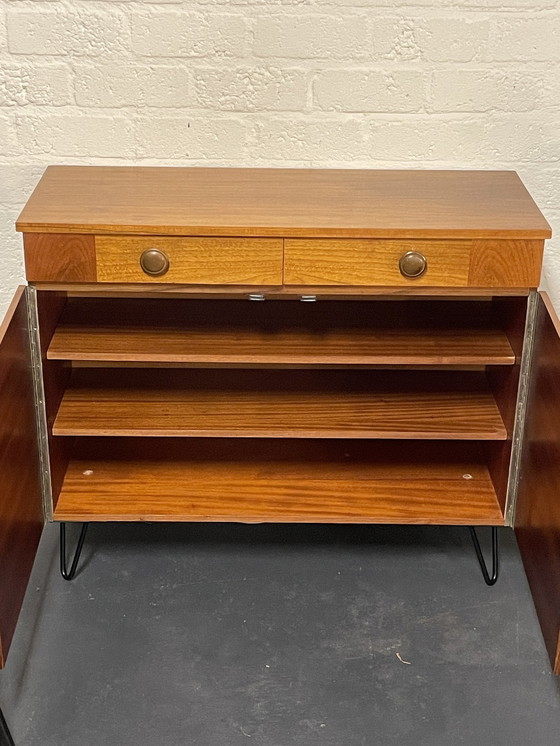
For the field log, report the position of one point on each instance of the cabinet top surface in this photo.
(282, 202)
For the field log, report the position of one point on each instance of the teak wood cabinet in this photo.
(401, 369)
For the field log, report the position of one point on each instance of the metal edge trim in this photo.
(521, 406)
(40, 405)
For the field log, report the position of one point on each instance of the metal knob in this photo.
(154, 262)
(413, 264)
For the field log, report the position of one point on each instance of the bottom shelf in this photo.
(254, 481)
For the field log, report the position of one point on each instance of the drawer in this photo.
(476, 263)
(200, 261)
(449, 263)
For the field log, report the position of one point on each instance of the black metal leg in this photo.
(488, 579)
(66, 573)
(5, 735)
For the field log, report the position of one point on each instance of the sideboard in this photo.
(281, 345)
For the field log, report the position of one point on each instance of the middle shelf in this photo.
(274, 403)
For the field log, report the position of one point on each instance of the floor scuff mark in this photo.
(402, 660)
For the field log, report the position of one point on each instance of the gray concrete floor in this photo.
(217, 635)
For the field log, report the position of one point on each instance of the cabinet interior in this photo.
(373, 411)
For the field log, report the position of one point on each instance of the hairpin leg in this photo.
(68, 574)
(5, 735)
(488, 579)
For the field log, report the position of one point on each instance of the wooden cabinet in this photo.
(386, 378)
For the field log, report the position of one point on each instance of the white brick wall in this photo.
(347, 83)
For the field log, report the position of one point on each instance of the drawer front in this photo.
(475, 263)
(200, 261)
(451, 263)
(373, 262)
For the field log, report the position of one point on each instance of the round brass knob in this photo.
(413, 264)
(154, 262)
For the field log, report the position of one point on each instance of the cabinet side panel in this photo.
(21, 512)
(537, 519)
(504, 382)
(56, 375)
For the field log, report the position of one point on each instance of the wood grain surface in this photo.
(55, 257)
(373, 262)
(503, 263)
(271, 292)
(537, 519)
(458, 263)
(276, 403)
(21, 511)
(287, 481)
(215, 261)
(292, 333)
(283, 202)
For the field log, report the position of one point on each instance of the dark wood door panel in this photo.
(21, 511)
(537, 521)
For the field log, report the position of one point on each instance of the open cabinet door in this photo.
(21, 510)
(537, 516)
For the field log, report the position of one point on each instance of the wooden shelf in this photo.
(231, 333)
(280, 404)
(288, 481)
